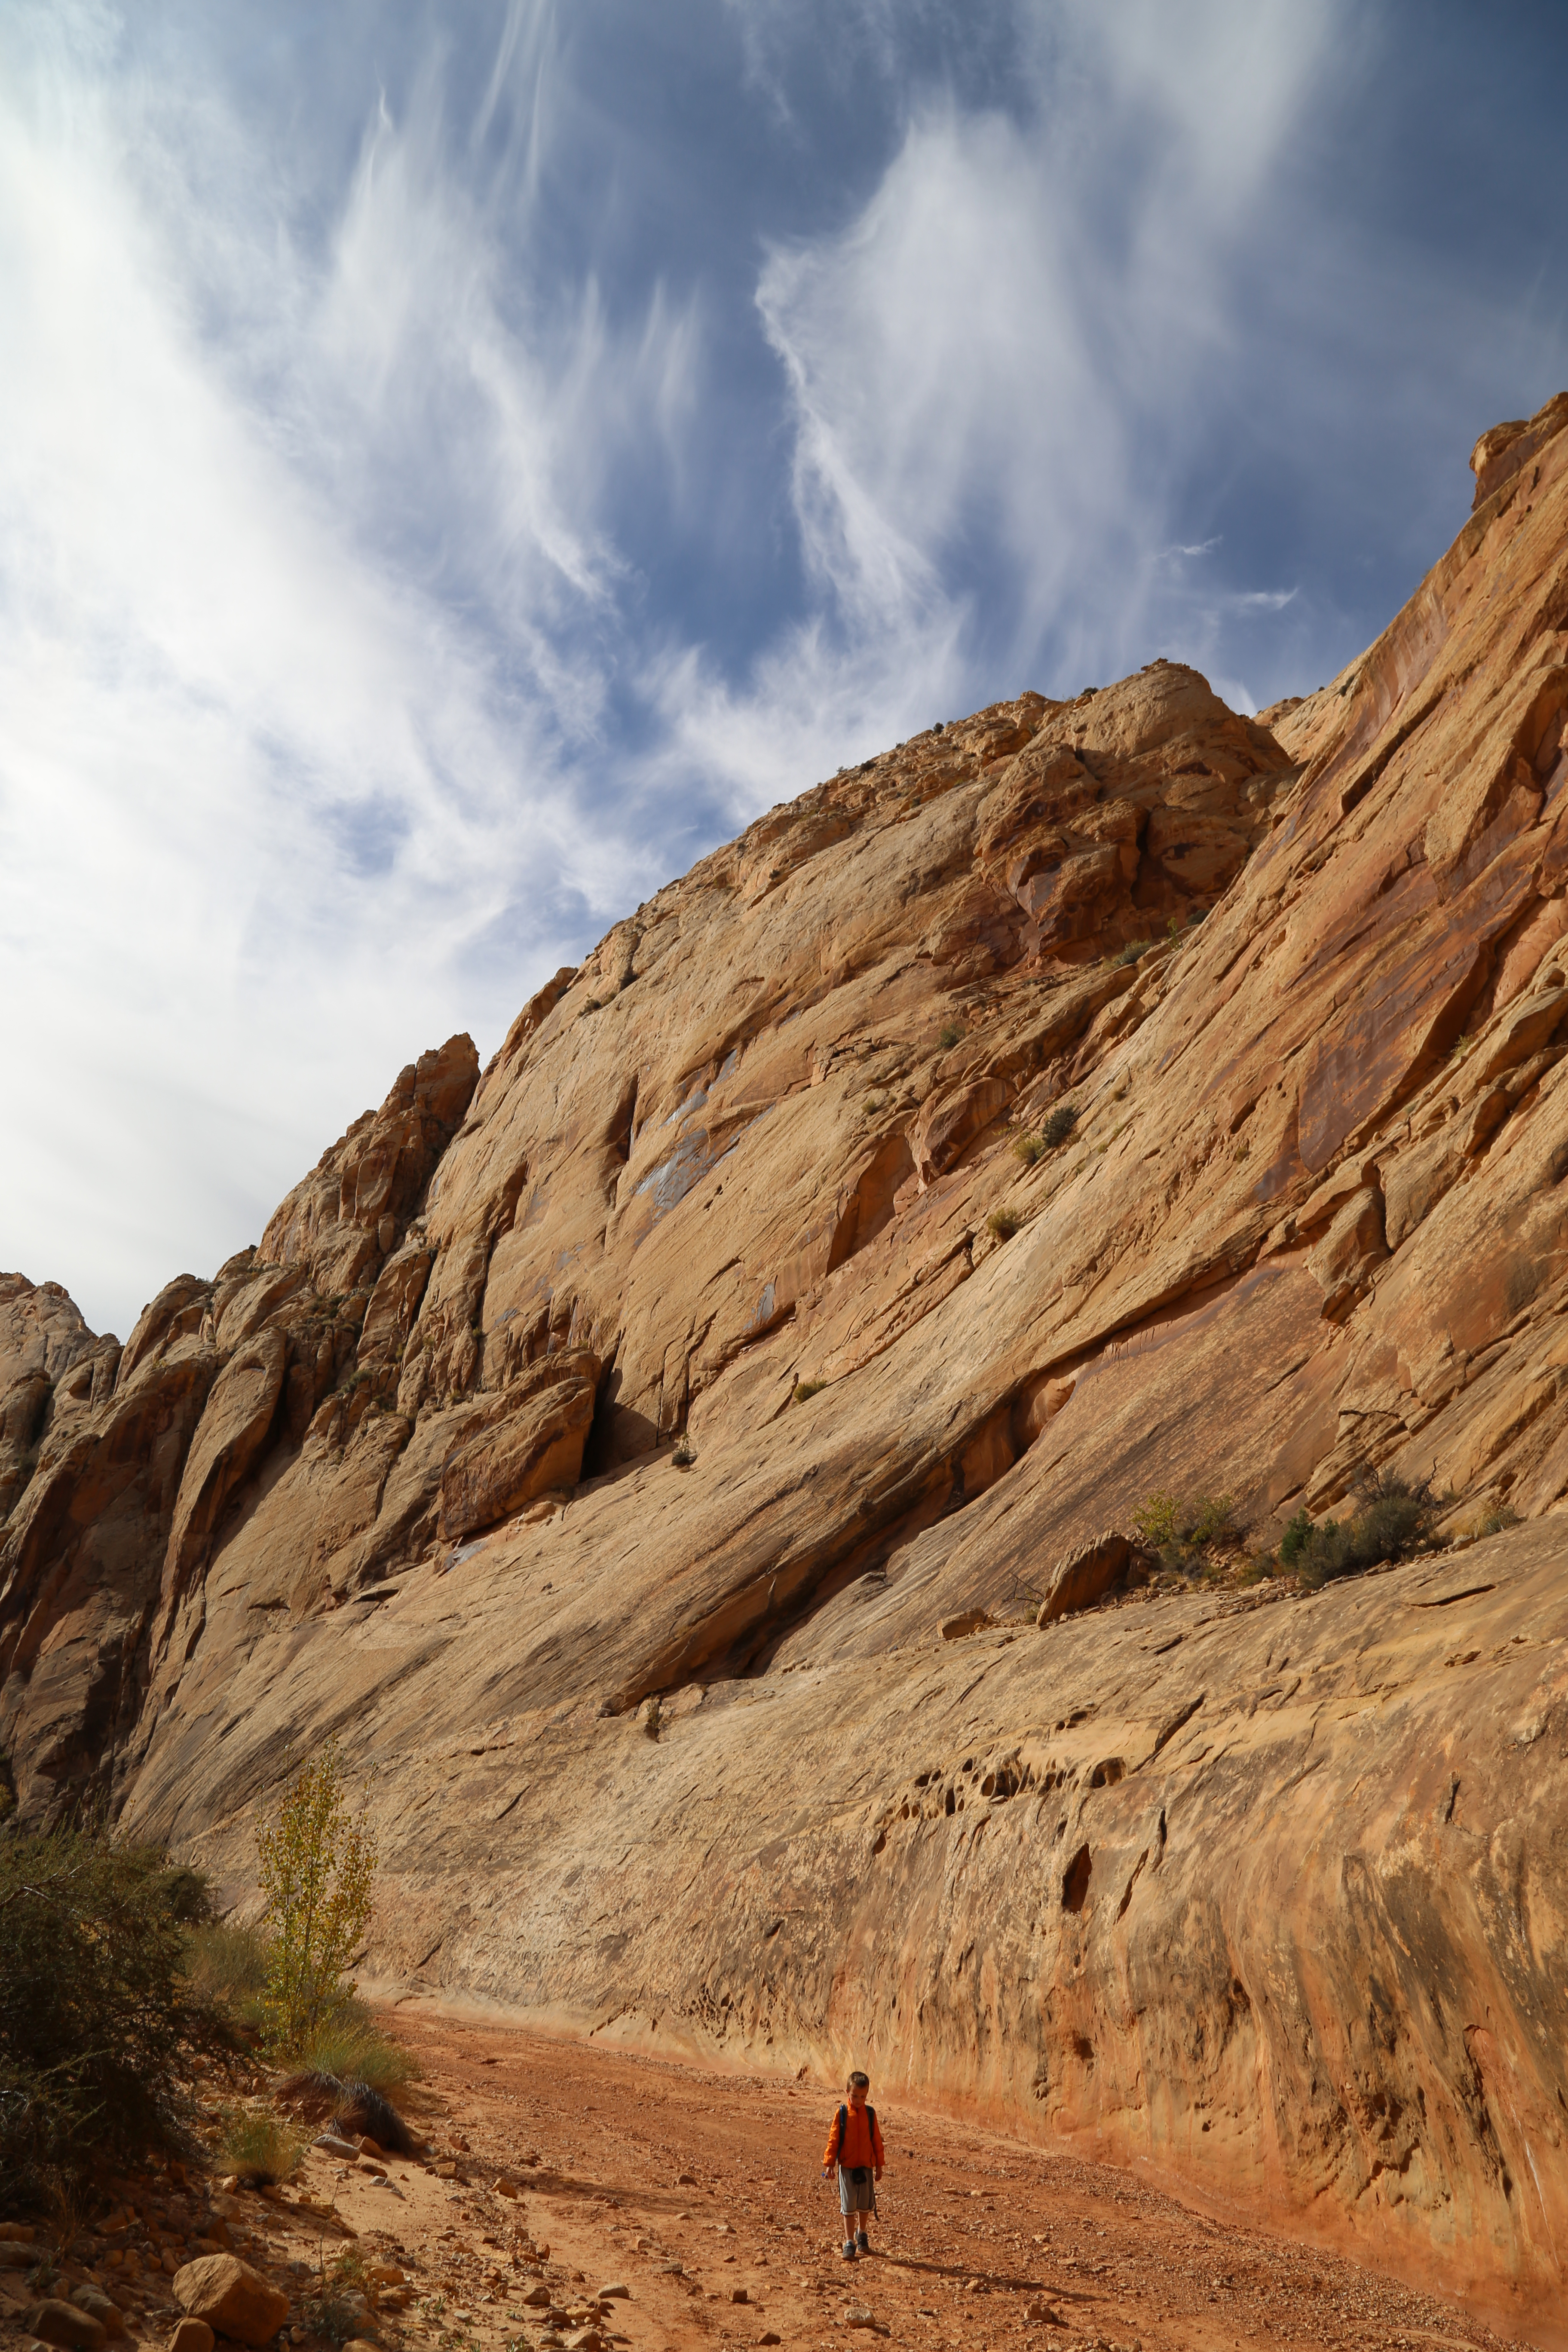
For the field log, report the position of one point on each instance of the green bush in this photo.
(1133, 949)
(948, 1034)
(1060, 1125)
(1028, 1149)
(1185, 1532)
(1002, 1224)
(1392, 1519)
(93, 2006)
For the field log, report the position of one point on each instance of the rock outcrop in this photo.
(1086, 1100)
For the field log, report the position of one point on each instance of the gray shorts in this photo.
(857, 2189)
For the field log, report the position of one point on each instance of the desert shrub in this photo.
(316, 1866)
(337, 2309)
(93, 2006)
(1392, 1519)
(1499, 1515)
(258, 2145)
(948, 1034)
(1294, 1541)
(1133, 949)
(684, 1455)
(1002, 1224)
(1185, 1532)
(1028, 1149)
(1155, 1520)
(805, 1388)
(1060, 1125)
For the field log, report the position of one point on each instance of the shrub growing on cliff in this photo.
(93, 2006)
(1393, 1519)
(1185, 1532)
(1002, 1224)
(317, 1865)
(1059, 1126)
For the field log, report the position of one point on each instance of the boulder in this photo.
(99, 2306)
(192, 2335)
(54, 2321)
(234, 2300)
(1085, 1575)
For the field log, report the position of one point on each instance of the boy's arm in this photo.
(877, 2155)
(830, 2152)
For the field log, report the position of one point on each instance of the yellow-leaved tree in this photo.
(317, 1865)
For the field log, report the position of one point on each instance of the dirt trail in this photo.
(701, 2195)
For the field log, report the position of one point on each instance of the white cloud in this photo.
(290, 721)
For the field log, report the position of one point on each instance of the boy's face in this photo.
(857, 2095)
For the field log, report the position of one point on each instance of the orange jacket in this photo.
(862, 2140)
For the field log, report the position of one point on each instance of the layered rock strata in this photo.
(1275, 1891)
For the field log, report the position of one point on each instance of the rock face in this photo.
(870, 1161)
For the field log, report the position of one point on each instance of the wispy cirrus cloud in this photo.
(454, 468)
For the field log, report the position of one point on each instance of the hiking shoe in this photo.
(848, 2250)
(862, 2242)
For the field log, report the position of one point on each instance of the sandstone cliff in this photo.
(1267, 1885)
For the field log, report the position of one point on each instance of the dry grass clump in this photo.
(260, 2148)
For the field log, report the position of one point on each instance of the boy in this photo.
(855, 2144)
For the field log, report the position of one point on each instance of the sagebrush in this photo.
(94, 2006)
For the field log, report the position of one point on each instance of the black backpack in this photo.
(843, 2132)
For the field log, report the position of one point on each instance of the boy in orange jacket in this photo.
(854, 2146)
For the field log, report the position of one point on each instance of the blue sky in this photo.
(460, 462)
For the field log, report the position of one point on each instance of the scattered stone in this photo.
(98, 2306)
(739, 2294)
(17, 2233)
(192, 2335)
(609, 2294)
(538, 2297)
(234, 2299)
(15, 2257)
(769, 2336)
(53, 2321)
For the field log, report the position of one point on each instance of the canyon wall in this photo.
(598, 1445)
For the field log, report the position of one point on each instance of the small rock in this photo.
(971, 1621)
(192, 2335)
(362, 2344)
(1040, 2310)
(585, 2339)
(17, 2233)
(97, 2305)
(768, 2336)
(686, 2181)
(234, 2299)
(608, 2294)
(53, 2321)
(857, 2316)
(15, 2257)
(537, 2299)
